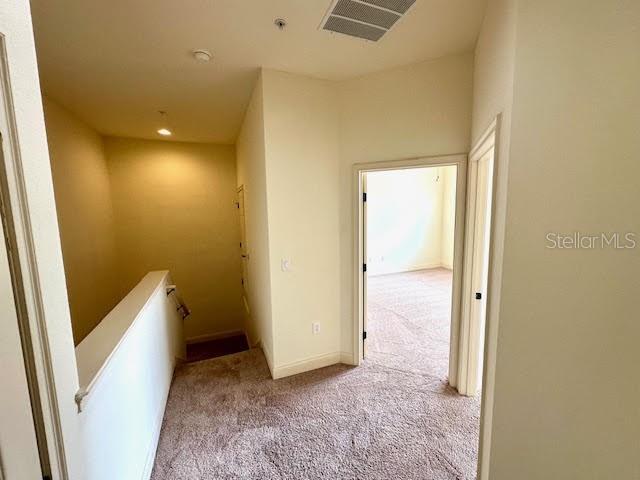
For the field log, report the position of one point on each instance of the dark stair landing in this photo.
(216, 348)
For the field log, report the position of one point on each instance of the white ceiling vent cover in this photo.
(368, 19)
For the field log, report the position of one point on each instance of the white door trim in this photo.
(365, 256)
(468, 358)
(22, 456)
(38, 345)
(498, 213)
(460, 161)
(488, 377)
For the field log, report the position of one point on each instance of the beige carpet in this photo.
(409, 321)
(392, 418)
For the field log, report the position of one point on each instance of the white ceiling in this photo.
(116, 63)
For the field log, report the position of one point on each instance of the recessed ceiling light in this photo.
(164, 124)
(202, 56)
(280, 23)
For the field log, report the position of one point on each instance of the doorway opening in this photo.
(450, 291)
(426, 319)
(435, 169)
(408, 240)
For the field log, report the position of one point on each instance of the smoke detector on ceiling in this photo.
(202, 56)
(366, 19)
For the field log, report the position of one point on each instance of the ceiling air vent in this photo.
(368, 19)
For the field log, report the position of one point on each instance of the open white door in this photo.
(19, 456)
(474, 305)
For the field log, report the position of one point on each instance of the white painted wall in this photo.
(126, 365)
(567, 387)
(48, 269)
(302, 158)
(298, 151)
(250, 151)
(407, 227)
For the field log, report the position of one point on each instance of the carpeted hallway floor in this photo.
(392, 418)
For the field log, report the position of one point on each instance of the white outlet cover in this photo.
(315, 328)
(285, 265)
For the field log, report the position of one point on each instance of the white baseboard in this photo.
(214, 336)
(267, 356)
(414, 268)
(347, 358)
(306, 365)
(425, 266)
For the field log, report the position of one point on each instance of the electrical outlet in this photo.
(285, 265)
(315, 328)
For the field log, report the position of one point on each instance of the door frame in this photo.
(468, 362)
(244, 251)
(21, 427)
(498, 213)
(365, 255)
(499, 203)
(358, 171)
(33, 322)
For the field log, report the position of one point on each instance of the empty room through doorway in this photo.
(409, 241)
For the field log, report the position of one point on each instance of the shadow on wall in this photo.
(410, 219)
(127, 207)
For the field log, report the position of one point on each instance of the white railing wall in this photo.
(125, 369)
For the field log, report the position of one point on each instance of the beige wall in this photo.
(175, 209)
(300, 138)
(313, 132)
(493, 68)
(126, 207)
(302, 156)
(415, 111)
(492, 96)
(407, 112)
(252, 175)
(567, 384)
(85, 215)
